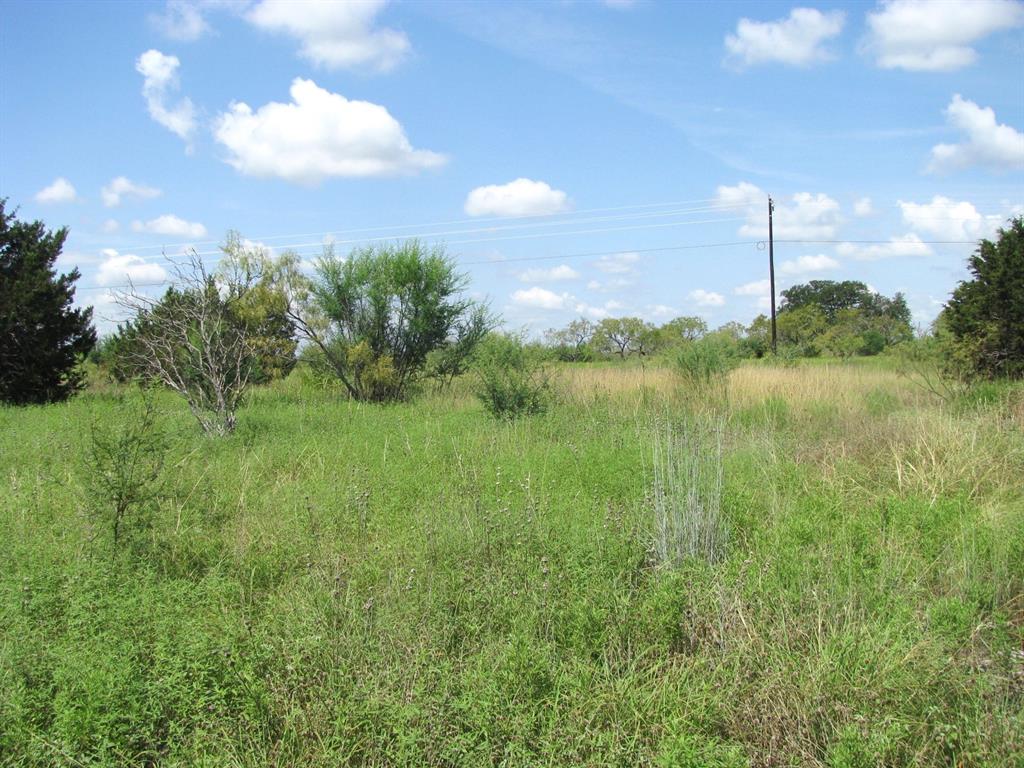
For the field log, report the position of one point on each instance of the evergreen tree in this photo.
(42, 339)
(986, 314)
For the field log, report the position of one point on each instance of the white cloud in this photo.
(541, 298)
(334, 34)
(796, 40)
(897, 247)
(948, 219)
(522, 197)
(122, 268)
(181, 20)
(168, 224)
(863, 207)
(121, 187)
(160, 78)
(618, 263)
(539, 275)
(986, 142)
(60, 191)
(756, 288)
(707, 298)
(809, 217)
(935, 35)
(805, 265)
(110, 226)
(662, 311)
(318, 135)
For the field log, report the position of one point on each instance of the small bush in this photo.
(511, 380)
(703, 368)
(124, 465)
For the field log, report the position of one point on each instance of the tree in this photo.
(573, 341)
(828, 296)
(986, 314)
(195, 341)
(624, 335)
(378, 314)
(42, 340)
(254, 284)
(683, 329)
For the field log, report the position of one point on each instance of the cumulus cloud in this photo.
(169, 224)
(618, 263)
(897, 247)
(160, 80)
(805, 265)
(318, 135)
(119, 268)
(334, 34)
(110, 226)
(120, 188)
(662, 311)
(863, 207)
(948, 219)
(985, 142)
(796, 40)
(935, 35)
(755, 288)
(540, 275)
(60, 191)
(808, 217)
(522, 197)
(541, 298)
(549, 301)
(704, 298)
(181, 20)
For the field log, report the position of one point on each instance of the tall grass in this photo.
(687, 492)
(421, 585)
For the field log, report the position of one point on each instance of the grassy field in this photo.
(419, 585)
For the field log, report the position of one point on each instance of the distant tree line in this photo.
(389, 318)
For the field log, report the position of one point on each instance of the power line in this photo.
(567, 216)
(498, 262)
(435, 235)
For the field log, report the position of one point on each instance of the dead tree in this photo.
(193, 342)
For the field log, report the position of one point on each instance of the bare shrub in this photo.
(687, 492)
(192, 341)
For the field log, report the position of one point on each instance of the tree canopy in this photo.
(377, 315)
(986, 313)
(42, 339)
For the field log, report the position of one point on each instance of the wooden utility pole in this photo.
(771, 271)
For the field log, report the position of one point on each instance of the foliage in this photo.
(511, 380)
(986, 313)
(573, 344)
(703, 370)
(42, 340)
(681, 330)
(124, 466)
(416, 586)
(193, 341)
(624, 336)
(378, 315)
(255, 291)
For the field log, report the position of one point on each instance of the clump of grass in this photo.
(687, 492)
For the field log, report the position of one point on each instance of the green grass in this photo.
(341, 584)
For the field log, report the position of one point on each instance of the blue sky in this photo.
(577, 158)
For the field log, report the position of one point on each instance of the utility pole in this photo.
(771, 270)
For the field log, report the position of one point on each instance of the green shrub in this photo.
(511, 380)
(123, 467)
